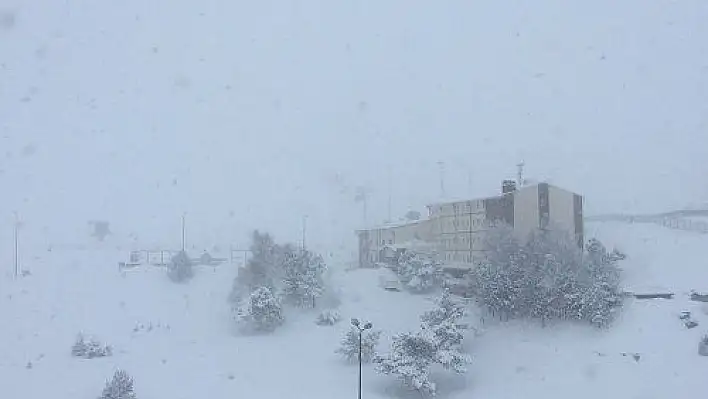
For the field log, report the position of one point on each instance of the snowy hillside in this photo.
(178, 341)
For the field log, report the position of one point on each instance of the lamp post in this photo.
(184, 231)
(17, 245)
(361, 328)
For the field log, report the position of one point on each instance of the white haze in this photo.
(251, 114)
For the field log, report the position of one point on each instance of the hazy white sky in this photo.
(251, 114)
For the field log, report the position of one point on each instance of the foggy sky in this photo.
(251, 114)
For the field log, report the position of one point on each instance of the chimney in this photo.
(508, 186)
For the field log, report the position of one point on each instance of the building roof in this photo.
(391, 225)
(534, 184)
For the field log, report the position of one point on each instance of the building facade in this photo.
(456, 231)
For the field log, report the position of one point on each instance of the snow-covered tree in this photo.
(119, 387)
(261, 311)
(90, 349)
(303, 281)
(445, 320)
(548, 277)
(101, 229)
(328, 318)
(498, 280)
(180, 267)
(349, 347)
(263, 268)
(419, 272)
(603, 295)
(413, 354)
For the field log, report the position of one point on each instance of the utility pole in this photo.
(520, 174)
(184, 241)
(390, 183)
(441, 165)
(367, 326)
(366, 199)
(304, 232)
(17, 245)
(362, 194)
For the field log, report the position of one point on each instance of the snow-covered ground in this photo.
(178, 341)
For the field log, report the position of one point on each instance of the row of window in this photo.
(468, 206)
(462, 224)
(459, 207)
(466, 241)
(465, 257)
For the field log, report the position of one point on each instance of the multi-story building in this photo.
(456, 231)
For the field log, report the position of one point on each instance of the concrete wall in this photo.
(562, 215)
(526, 214)
(567, 213)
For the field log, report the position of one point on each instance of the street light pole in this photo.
(367, 326)
(390, 184)
(184, 215)
(17, 245)
(441, 165)
(304, 232)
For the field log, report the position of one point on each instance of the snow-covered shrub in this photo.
(180, 267)
(261, 311)
(90, 349)
(303, 281)
(419, 272)
(349, 347)
(548, 277)
(703, 346)
(328, 318)
(413, 354)
(119, 387)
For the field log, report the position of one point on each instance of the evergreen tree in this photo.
(412, 355)
(261, 311)
(119, 387)
(263, 268)
(303, 281)
(180, 267)
(90, 349)
(419, 272)
(603, 295)
(548, 277)
(350, 345)
(445, 321)
(328, 318)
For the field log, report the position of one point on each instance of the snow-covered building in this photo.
(381, 243)
(455, 231)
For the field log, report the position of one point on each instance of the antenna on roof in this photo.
(520, 174)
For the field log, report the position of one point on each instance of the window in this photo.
(390, 242)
